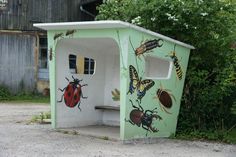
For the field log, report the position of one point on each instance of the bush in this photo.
(4, 93)
(210, 85)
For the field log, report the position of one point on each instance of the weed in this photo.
(42, 118)
(105, 138)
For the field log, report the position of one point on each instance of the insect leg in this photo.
(79, 106)
(84, 85)
(83, 96)
(129, 121)
(166, 111)
(62, 89)
(140, 105)
(67, 79)
(151, 111)
(172, 96)
(133, 104)
(61, 98)
(146, 128)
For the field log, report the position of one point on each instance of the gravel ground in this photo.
(20, 139)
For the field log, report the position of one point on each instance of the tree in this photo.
(209, 25)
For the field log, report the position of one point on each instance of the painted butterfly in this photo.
(137, 83)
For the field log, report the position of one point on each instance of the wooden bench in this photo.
(106, 107)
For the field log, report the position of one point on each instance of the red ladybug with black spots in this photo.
(72, 93)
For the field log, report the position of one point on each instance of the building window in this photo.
(89, 66)
(43, 72)
(81, 65)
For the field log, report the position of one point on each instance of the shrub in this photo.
(209, 25)
(4, 93)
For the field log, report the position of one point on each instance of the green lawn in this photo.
(33, 98)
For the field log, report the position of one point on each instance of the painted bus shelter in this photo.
(115, 73)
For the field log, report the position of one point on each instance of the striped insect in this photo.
(136, 83)
(175, 60)
(147, 46)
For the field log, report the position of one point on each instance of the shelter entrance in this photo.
(95, 63)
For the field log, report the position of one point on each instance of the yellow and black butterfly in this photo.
(137, 83)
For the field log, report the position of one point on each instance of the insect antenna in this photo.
(134, 54)
(174, 47)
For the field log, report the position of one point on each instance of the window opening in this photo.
(43, 72)
(81, 65)
(43, 53)
(157, 68)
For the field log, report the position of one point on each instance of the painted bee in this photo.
(138, 84)
(178, 68)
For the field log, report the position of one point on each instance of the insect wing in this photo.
(68, 95)
(133, 79)
(76, 96)
(146, 85)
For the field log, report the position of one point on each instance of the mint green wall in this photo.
(124, 38)
(167, 125)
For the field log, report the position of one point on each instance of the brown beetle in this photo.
(143, 118)
(165, 100)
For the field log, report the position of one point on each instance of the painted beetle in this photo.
(143, 118)
(164, 97)
(70, 32)
(73, 93)
(57, 36)
(50, 54)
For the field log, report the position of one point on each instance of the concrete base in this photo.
(98, 131)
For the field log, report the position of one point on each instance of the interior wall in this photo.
(96, 49)
(112, 78)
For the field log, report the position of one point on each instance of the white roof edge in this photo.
(104, 24)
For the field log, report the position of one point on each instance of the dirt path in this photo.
(17, 139)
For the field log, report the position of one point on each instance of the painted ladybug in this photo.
(164, 97)
(143, 118)
(73, 93)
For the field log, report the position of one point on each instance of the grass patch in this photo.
(231, 136)
(219, 136)
(23, 96)
(42, 118)
(26, 97)
(30, 97)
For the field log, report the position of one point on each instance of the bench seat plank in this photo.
(106, 107)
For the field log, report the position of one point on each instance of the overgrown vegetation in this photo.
(209, 99)
(42, 118)
(6, 95)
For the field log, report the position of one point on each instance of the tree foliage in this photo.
(209, 25)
